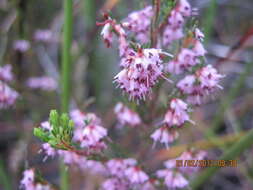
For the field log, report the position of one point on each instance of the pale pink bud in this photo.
(198, 34)
(107, 34)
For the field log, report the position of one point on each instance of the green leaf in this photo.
(54, 119)
(53, 142)
(41, 134)
(64, 121)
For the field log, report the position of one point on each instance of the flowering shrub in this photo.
(156, 45)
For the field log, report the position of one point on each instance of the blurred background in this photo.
(228, 26)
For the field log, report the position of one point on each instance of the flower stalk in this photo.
(66, 73)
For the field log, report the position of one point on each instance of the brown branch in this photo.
(238, 46)
(154, 30)
(73, 149)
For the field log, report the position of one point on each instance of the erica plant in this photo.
(160, 46)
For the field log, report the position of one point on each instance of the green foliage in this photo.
(166, 7)
(61, 133)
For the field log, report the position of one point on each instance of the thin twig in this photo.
(154, 30)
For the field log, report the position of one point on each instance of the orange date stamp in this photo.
(206, 163)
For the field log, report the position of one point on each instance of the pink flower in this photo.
(139, 22)
(126, 116)
(123, 46)
(8, 96)
(21, 45)
(28, 183)
(96, 147)
(197, 96)
(164, 135)
(150, 185)
(205, 80)
(115, 184)
(186, 85)
(78, 117)
(135, 175)
(175, 19)
(209, 77)
(107, 34)
(191, 155)
(178, 105)
(187, 58)
(173, 118)
(170, 34)
(198, 34)
(81, 118)
(141, 71)
(50, 151)
(43, 83)
(88, 130)
(177, 114)
(43, 35)
(118, 166)
(95, 167)
(184, 8)
(46, 125)
(172, 179)
(92, 134)
(199, 48)
(72, 158)
(5, 73)
(28, 179)
(175, 67)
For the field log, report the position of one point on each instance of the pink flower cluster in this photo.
(110, 26)
(44, 83)
(119, 173)
(138, 22)
(175, 176)
(74, 158)
(202, 83)
(81, 162)
(187, 58)
(174, 29)
(124, 174)
(176, 116)
(28, 182)
(143, 67)
(88, 130)
(141, 71)
(8, 96)
(126, 116)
